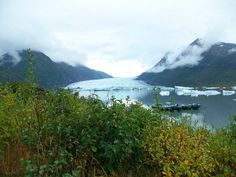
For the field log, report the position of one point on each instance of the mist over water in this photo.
(214, 111)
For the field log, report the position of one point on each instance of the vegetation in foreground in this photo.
(48, 133)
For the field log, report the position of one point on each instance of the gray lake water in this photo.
(215, 109)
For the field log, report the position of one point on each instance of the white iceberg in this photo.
(211, 88)
(228, 92)
(196, 93)
(179, 93)
(184, 92)
(187, 92)
(183, 88)
(163, 88)
(129, 102)
(208, 93)
(164, 93)
(212, 92)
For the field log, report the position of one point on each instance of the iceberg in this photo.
(179, 93)
(211, 88)
(163, 88)
(196, 93)
(183, 88)
(164, 93)
(187, 92)
(184, 92)
(129, 102)
(228, 92)
(212, 92)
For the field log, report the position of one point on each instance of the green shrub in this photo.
(57, 133)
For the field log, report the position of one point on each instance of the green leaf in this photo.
(94, 149)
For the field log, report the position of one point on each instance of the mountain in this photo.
(199, 64)
(48, 73)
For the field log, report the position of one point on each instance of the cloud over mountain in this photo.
(191, 56)
(197, 65)
(136, 32)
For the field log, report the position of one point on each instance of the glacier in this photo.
(110, 84)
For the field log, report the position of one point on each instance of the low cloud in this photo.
(233, 50)
(125, 30)
(191, 56)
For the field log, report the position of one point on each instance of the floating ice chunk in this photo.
(212, 92)
(211, 88)
(228, 92)
(179, 93)
(129, 102)
(185, 92)
(206, 92)
(164, 93)
(196, 93)
(162, 88)
(146, 106)
(234, 88)
(183, 88)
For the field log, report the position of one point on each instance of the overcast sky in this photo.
(120, 37)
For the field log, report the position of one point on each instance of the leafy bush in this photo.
(179, 150)
(57, 133)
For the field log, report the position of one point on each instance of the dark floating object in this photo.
(177, 107)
